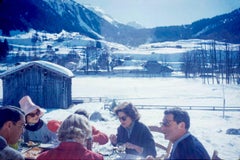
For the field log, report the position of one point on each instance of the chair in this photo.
(167, 148)
(215, 155)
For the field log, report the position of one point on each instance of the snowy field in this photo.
(208, 126)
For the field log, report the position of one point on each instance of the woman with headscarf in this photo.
(36, 129)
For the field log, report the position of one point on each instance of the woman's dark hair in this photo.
(129, 110)
(179, 115)
(10, 113)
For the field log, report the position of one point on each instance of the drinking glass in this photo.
(121, 147)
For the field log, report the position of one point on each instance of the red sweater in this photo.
(69, 151)
(99, 137)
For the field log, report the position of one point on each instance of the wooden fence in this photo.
(107, 103)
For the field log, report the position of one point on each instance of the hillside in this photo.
(53, 16)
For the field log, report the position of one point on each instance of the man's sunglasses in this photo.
(123, 118)
(34, 114)
(165, 123)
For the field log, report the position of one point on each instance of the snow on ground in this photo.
(208, 126)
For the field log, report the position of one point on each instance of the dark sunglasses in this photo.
(123, 118)
(165, 123)
(34, 114)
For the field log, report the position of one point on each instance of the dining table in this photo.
(122, 156)
(115, 154)
(31, 152)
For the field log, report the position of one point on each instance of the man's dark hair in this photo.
(82, 112)
(179, 115)
(10, 113)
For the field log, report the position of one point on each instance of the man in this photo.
(12, 123)
(175, 126)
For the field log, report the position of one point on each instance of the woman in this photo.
(98, 136)
(135, 135)
(36, 129)
(73, 134)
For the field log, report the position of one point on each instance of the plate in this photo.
(30, 144)
(32, 153)
(47, 145)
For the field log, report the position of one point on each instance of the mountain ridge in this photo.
(53, 16)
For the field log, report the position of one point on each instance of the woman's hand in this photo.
(135, 147)
(113, 139)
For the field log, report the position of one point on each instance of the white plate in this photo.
(47, 145)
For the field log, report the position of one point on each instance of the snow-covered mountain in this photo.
(54, 16)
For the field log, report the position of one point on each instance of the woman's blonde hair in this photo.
(75, 128)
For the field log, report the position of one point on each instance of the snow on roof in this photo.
(44, 64)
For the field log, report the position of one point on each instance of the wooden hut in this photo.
(48, 84)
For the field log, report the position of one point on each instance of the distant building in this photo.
(48, 84)
(156, 68)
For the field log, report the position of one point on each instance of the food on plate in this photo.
(32, 153)
(31, 144)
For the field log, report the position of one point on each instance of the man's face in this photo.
(16, 131)
(171, 130)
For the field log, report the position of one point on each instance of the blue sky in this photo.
(151, 13)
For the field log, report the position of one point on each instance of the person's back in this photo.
(97, 135)
(69, 150)
(72, 134)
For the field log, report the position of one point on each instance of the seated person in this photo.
(136, 135)
(97, 135)
(53, 125)
(36, 129)
(175, 127)
(12, 122)
(73, 134)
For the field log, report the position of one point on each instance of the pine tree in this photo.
(4, 48)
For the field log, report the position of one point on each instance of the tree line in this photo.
(213, 65)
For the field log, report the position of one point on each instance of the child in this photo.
(36, 129)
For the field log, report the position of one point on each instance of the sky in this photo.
(152, 13)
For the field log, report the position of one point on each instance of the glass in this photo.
(121, 147)
(166, 123)
(123, 118)
(89, 143)
(22, 126)
(95, 147)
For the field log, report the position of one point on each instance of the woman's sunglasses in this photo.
(34, 114)
(123, 118)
